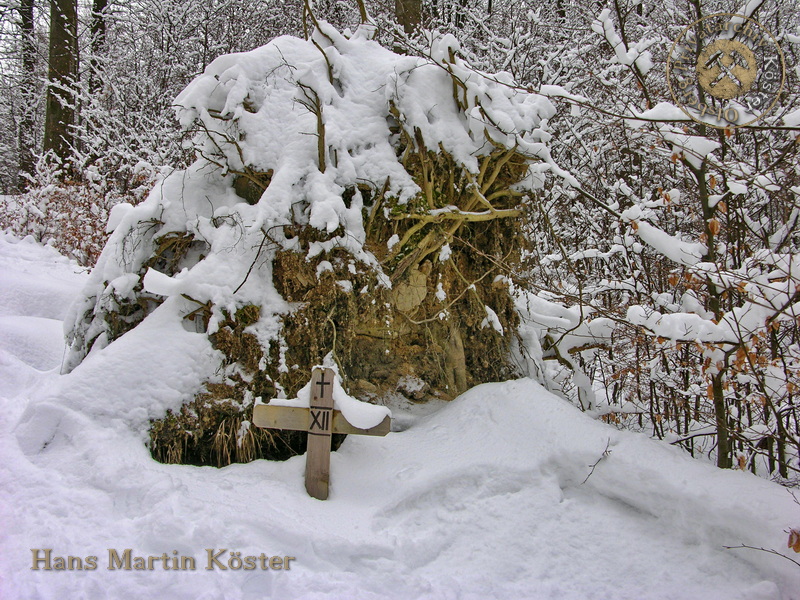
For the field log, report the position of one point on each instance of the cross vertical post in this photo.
(320, 425)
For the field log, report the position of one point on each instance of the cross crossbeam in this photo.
(320, 420)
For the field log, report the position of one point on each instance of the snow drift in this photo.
(506, 492)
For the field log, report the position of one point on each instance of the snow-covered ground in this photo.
(486, 498)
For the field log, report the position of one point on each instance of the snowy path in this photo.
(483, 499)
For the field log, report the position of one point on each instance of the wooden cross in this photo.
(320, 420)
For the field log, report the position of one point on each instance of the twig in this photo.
(258, 253)
(458, 215)
(605, 454)
(362, 10)
(694, 435)
(314, 106)
(333, 346)
(769, 551)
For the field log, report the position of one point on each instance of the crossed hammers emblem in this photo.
(726, 69)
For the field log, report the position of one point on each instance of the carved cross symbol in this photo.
(320, 420)
(322, 383)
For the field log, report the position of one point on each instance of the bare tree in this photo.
(27, 125)
(98, 42)
(62, 75)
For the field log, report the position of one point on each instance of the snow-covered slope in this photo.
(37, 286)
(486, 498)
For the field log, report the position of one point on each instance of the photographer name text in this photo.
(44, 559)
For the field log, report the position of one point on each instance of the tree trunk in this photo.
(409, 14)
(26, 141)
(724, 449)
(62, 74)
(98, 31)
(724, 455)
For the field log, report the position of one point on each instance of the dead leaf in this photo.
(794, 540)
